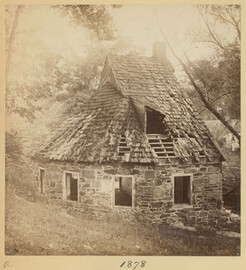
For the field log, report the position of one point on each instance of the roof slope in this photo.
(110, 118)
(153, 84)
(95, 133)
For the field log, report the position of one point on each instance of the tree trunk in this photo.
(11, 40)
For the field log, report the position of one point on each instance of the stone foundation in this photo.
(153, 190)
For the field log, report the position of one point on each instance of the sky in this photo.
(55, 32)
(146, 24)
(140, 23)
(137, 22)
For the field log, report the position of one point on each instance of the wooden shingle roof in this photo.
(108, 127)
(95, 133)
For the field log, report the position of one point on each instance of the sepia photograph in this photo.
(122, 130)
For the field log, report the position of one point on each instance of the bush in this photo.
(18, 175)
(13, 148)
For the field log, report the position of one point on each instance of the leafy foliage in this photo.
(94, 17)
(219, 79)
(13, 146)
(30, 83)
(46, 85)
(55, 77)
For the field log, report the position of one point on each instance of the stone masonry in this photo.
(153, 190)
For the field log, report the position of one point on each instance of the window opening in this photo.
(182, 189)
(71, 186)
(123, 191)
(41, 180)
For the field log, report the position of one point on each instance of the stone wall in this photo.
(153, 190)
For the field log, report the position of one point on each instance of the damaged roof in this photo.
(110, 126)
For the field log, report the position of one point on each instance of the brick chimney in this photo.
(159, 51)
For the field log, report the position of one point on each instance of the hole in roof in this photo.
(162, 145)
(123, 147)
(154, 122)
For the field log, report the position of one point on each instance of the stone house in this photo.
(136, 148)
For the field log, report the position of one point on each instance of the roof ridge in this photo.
(115, 78)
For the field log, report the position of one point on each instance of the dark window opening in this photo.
(154, 123)
(72, 186)
(123, 191)
(182, 189)
(41, 179)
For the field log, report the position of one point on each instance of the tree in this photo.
(13, 147)
(23, 97)
(213, 17)
(10, 40)
(219, 77)
(224, 66)
(53, 86)
(94, 17)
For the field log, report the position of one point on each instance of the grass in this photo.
(43, 228)
(185, 243)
